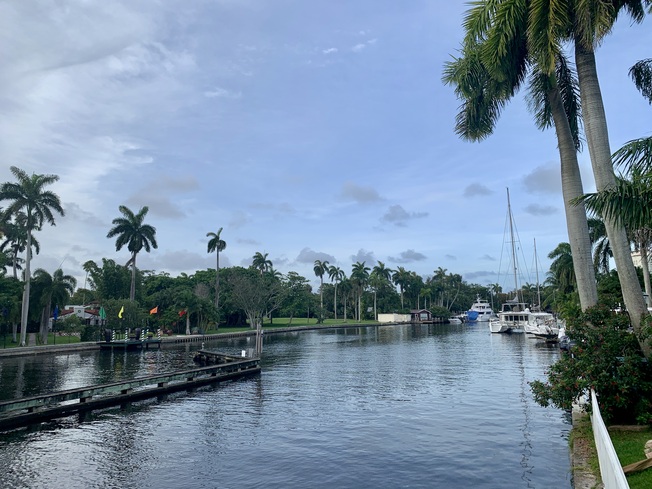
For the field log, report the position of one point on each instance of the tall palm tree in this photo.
(496, 55)
(261, 262)
(28, 196)
(380, 275)
(401, 277)
(54, 289)
(132, 231)
(217, 245)
(336, 275)
(588, 22)
(320, 268)
(360, 279)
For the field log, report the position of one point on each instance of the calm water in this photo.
(388, 407)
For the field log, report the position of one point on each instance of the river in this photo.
(412, 406)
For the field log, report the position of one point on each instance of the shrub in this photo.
(606, 356)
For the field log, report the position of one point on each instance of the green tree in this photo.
(217, 245)
(320, 268)
(401, 277)
(497, 52)
(132, 231)
(15, 240)
(336, 274)
(29, 196)
(588, 22)
(360, 280)
(261, 262)
(53, 290)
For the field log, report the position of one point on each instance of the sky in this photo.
(305, 129)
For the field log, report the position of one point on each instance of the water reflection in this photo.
(414, 406)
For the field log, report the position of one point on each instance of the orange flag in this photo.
(154, 311)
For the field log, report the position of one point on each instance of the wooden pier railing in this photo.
(27, 410)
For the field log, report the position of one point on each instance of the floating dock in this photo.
(35, 409)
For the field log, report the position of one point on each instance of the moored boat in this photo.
(480, 310)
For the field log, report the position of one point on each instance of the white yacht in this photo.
(480, 310)
(516, 317)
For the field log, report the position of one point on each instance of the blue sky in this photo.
(307, 130)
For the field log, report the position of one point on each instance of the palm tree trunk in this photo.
(335, 302)
(25, 310)
(187, 322)
(132, 290)
(217, 284)
(597, 137)
(645, 265)
(576, 224)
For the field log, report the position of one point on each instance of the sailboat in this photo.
(515, 316)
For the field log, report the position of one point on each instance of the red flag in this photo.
(182, 313)
(154, 311)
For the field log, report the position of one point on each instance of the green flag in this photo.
(102, 313)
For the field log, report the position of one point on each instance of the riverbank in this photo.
(175, 339)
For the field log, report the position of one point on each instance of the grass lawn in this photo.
(296, 322)
(629, 447)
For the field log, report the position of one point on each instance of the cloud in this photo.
(218, 92)
(543, 180)
(179, 261)
(329, 50)
(75, 213)
(476, 189)
(541, 210)
(487, 258)
(281, 207)
(407, 256)
(450, 257)
(359, 194)
(399, 216)
(364, 256)
(247, 241)
(358, 47)
(307, 255)
(488, 276)
(239, 219)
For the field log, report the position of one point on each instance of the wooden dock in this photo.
(130, 344)
(29, 410)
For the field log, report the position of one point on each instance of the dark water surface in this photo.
(389, 407)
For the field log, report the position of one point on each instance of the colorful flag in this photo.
(182, 313)
(154, 311)
(102, 313)
(56, 312)
(122, 309)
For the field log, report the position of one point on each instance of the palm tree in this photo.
(217, 245)
(28, 196)
(15, 234)
(335, 274)
(600, 241)
(133, 232)
(320, 268)
(401, 277)
(261, 262)
(497, 53)
(561, 268)
(641, 73)
(380, 275)
(588, 24)
(628, 205)
(360, 278)
(54, 289)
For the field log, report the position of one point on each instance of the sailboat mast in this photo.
(536, 267)
(511, 236)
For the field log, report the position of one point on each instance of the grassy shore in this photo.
(629, 447)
